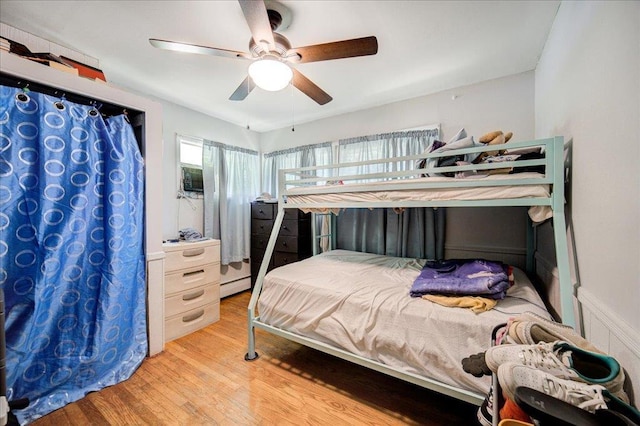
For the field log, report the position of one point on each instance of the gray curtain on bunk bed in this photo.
(414, 232)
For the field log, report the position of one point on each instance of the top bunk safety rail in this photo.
(338, 178)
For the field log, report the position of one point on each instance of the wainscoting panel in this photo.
(600, 325)
(605, 329)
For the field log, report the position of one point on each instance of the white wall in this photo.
(180, 120)
(587, 88)
(506, 103)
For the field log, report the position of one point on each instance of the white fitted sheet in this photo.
(360, 302)
(359, 192)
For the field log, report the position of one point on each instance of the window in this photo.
(190, 151)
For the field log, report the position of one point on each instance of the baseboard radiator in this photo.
(234, 278)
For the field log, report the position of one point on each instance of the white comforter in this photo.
(360, 302)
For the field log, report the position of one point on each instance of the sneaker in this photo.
(582, 395)
(564, 361)
(587, 397)
(529, 329)
(547, 410)
(485, 411)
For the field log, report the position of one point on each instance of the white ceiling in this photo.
(424, 47)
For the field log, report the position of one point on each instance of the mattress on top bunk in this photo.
(500, 191)
(360, 302)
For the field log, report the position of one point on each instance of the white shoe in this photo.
(582, 395)
(564, 361)
(529, 329)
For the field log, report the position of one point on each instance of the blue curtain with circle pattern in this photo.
(72, 262)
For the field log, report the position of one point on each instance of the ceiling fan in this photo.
(269, 48)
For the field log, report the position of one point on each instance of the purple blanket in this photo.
(463, 277)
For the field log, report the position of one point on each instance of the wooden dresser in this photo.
(294, 239)
(191, 286)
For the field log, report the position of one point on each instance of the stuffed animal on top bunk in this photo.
(493, 138)
(498, 137)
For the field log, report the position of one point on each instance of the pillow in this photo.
(462, 133)
(438, 146)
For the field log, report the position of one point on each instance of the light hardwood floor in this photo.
(202, 379)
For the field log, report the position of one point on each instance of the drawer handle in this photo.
(193, 316)
(192, 296)
(284, 243)
(188, 274)
(192, 252)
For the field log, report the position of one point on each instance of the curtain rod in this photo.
(105, 108)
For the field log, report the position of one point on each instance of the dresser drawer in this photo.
(191, 299)
(295, 214)
(195, 276)
(188, 257)
(289, 227)
(259, 242)
(263, 210)
(289, 244)
(261, 226)
(283, 258)
(187, 322)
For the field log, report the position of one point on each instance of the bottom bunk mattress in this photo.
(360, 302)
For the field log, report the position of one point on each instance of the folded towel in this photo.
(477, 304)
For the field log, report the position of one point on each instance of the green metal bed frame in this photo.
(306, 181)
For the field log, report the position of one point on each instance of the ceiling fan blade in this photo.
(336, 50)
(243, 90)
(255, 13)
(194, 48)
(309, 88)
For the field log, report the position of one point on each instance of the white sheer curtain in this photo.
(384, 145)
(302, 156)
(416, 232)
(231, 181)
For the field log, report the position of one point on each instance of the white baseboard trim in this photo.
(233, 287)
(616, 325)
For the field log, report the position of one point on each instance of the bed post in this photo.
(251, 311)
(531, 248)
(257, 288)
(560, 234)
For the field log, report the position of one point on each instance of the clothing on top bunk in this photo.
(470, 277)
(469, 173)
(459, 141)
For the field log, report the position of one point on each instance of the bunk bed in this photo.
(369, 318)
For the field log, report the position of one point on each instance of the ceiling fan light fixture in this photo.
(270, 74)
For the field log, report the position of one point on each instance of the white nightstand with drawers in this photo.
(191, 287)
